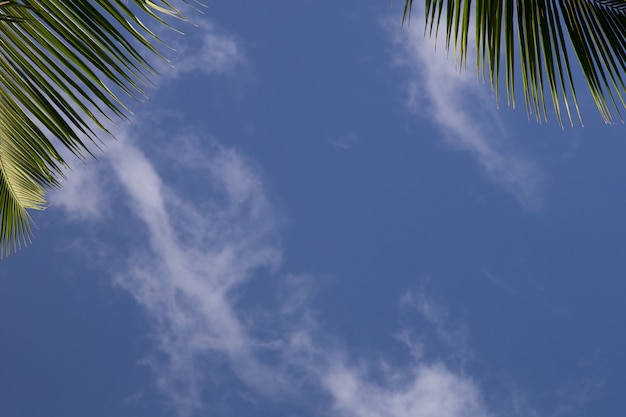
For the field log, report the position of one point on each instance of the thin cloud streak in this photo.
(187, 288)
(463, 109)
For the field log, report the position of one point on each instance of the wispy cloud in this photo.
(200, 246)
(449, 335)
(189, 291)
(187, 286)
(345, 142)
(202, 251)
(428, 390)
(207, 49)
(379, 385)
(197, 251)
(81, 196)
(464, 111)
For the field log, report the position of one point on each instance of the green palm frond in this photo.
(597, 35)
(60, 62)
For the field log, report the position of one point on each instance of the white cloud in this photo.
(207, 50)
(81, 195)
(202, 249)
(429, 390)
(186, 285)
(463, 109)
(381, 387)
(198, 252)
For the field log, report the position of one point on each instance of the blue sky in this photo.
(315, 214)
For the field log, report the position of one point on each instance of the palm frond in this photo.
(60, 62)
(597, 34)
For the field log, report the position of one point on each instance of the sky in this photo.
(315, 213)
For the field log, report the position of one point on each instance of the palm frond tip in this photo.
(536, 30)
(60, 62)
